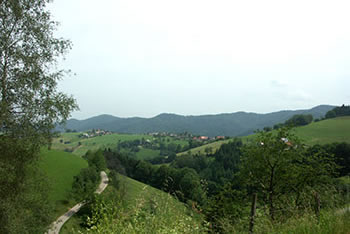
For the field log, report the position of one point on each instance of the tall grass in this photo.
(156, 215)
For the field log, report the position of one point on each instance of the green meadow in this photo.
(60, 168)
(201, 149)
(93, 143)
(326, 131)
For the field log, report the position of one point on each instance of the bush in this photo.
(85, 183)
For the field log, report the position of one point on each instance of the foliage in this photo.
(85, 183)
(24, 204)
(330, 221)
(30, 103)
(341, 153)
(282, 172)
(185, 183)
(87, 180)
(155, 215)
(96, 160)
(299, 120)
(30, 106)
(226, 207)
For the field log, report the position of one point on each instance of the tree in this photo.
(96, 160)
(331, 114)
(85, 183)
(30, 104)
(278, 167)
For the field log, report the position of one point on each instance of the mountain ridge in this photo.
(228, 124)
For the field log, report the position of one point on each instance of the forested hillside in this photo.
(234, 124)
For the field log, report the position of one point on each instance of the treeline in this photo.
(338, 112)
(294, 121)
(302, 120)
(286, 177)
(165, 149)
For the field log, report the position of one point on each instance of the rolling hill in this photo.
(159, 210)
(233, 124)
(322, 132)
(326, 131)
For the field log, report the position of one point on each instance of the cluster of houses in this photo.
(186, 136)
(206, 138)
(94, 133)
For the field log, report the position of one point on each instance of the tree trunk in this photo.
(271, 195)
(252, 213)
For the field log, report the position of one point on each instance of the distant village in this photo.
(95, 133)
(187, 136)
(181, 136)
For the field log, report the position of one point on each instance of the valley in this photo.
(152, 192)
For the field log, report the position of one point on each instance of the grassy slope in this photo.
(93, 143)
(322, 132)
(60, 168)
(326, 131)
(135, 193)
(201, 149)
(106, 141)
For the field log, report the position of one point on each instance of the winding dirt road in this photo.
(57, 225)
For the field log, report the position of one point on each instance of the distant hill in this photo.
(321, 132)
(234, 124)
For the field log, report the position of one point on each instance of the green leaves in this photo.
(278, 166)
(30, 106)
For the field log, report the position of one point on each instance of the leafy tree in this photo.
(191, 187)
(278, 168)
(30, 106)
(228, 205)
(85, 183)
(331, 114)
(96, 160)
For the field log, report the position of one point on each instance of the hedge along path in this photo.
(57, 225)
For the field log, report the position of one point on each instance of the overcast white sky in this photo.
(192, 57)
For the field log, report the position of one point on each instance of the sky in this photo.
(192, 57)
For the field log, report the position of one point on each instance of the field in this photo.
(71, 141)
(60, 168)
(136, 194)
(201, 149)
(326, 131)
(79, 146)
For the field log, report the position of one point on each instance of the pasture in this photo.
(60, 168)
(326, 131)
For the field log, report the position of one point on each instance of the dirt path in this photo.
(57, 225)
